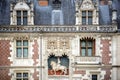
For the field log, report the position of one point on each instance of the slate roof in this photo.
(43, 14)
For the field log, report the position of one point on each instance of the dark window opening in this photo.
(94, 77)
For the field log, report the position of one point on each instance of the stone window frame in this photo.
(86, 47)
(22, 72)
(22, 57)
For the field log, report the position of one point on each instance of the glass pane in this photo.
(19, 13)
(90, 20)
(25, 43)
(24, 20)
(19, 43)
(83, 43)
(83, 20)
(25, 75)
(18, 20)
(18, 75)
(89, 43)
(90, 13)
(19, 52)
(89, 52)
(83, 51)
(25, 52)
(84, 13)
(94, 77)
(25, 13)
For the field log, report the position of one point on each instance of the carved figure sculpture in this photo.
(56, 67)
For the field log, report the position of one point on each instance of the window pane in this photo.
(82, 43)
(25, 43)
(90, 20)
(83, 51)
(25, 52)
(89, 52)
(19, 13)
(84, 13)
(19, 52)
(94, 77)
(25, 75)
(24, 20)
(18, 43)
(18, 17)
(83, 20)
(89, 43)
(25, 13)
(18, 20)
(90, 13)
(18, 75)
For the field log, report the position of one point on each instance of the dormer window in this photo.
(22, 17)
(87, 12)
(22, 13)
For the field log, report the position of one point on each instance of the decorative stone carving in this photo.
(87, 5)
(58, 47)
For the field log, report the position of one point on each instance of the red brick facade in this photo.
(35, 50)
(35, 75)
(35, 57)
(106, 57)
(4, 61)
(43, 2)
(82, 72)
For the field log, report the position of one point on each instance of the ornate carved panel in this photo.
(51, 44)
(58, 46)
(87, 5)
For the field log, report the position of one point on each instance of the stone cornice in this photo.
(59, 29)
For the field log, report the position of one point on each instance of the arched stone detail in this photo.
(21, 6)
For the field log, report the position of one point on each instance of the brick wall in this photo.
(105, 51)
(4, 61)
(43, 2)
(35, 75)
(35, 58)
(106, 57)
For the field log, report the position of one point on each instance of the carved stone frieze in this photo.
(87, 5)
(58, 46)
